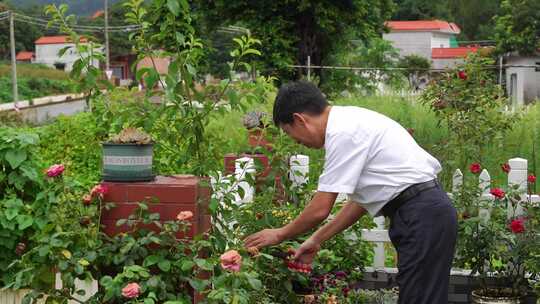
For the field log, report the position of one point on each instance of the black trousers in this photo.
(423, 231)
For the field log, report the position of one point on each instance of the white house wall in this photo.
(440, 40)
(417, 43)
(446, 63)
(48, 54)
(528, 81)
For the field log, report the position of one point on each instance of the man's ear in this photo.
(299, 118)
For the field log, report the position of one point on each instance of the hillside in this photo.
(78, 7)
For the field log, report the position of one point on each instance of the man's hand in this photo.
(305, 254)
(264, 238)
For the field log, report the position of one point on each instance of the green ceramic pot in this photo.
(127, 162)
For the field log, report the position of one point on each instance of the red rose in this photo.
(87, 199)
(531, 179)
(475, 168)
(462, 75)
(517, 226)
(498, 193)
(505, 167)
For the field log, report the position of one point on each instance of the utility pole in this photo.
(13, 58)
(108, 62)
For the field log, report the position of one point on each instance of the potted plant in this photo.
(255, 124)
(127, 157)
(496, 241)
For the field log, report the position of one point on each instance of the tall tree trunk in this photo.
(309, 43)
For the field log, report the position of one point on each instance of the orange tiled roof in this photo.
(451, 53)
(24, 56)
(424, 25)
(56, 40)
(98, 14)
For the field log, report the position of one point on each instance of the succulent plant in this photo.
(131, 136)
(254, 119)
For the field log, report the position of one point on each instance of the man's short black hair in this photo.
(297, 97)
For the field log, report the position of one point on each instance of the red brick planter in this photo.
(172, 194)
(166, 195)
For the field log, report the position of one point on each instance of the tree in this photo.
(421, 9)
(518, 27)
(416, 67)
(293, 30)
(475, 17)
(25, 34)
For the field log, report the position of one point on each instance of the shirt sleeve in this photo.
(344, 161)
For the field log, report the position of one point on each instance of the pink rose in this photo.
(498, 193)
(517, 226)
(531, 179)
(505, 167)
(131, 290)
(55, 170)
(475, 168)
(99, 190)
(184, 216)
(231, 260)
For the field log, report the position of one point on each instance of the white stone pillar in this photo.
(299, 170)
(245, 167)
(517, 176)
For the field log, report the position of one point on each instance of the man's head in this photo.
(301, 111)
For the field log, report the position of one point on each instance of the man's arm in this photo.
(314, 213)
(348, 215)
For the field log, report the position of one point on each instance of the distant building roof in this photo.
(98, 14)
(56, 40)
(424, 25)
(24, 56)
(161, 64)
(452, 53)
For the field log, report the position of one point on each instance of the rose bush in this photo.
(496, 240)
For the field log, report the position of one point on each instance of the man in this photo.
(384, 172)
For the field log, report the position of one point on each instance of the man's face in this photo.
(302, 131)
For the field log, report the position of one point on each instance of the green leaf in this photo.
(164, 265)
(187, 265)
(204, 264)
(255, 283)
(11, 213)
(173, 6)
(24, 221)
(198, 285)
(15, 157)
(151, 260)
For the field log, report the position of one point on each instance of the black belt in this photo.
(390, 208)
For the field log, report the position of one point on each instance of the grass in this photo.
(27, 70)
(33, 81)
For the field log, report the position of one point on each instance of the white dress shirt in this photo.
(371, 158)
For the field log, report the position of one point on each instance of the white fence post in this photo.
(517, 176)
(380, 256)
(457, 180)
(299, 170)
